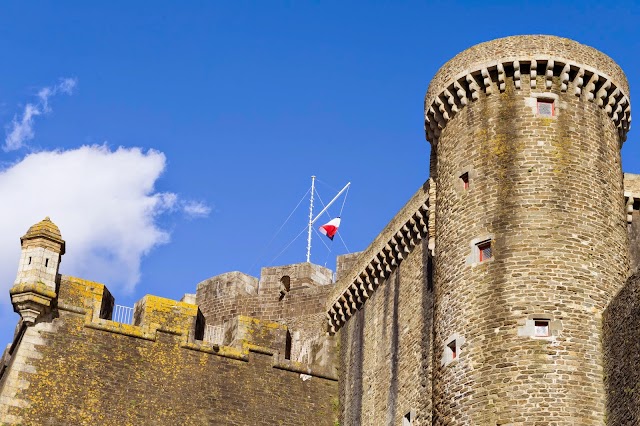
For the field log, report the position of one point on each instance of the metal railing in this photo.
(122, 314)
(213, 334)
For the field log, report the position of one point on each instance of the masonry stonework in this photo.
(502, 293)
(621, 340)
(547, 192)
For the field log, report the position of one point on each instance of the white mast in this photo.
(311, 219)
(313, 188)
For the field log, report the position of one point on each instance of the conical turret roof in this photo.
(45, 229)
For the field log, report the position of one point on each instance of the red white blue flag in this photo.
(330, 228)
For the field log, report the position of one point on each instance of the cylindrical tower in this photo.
(531, 240)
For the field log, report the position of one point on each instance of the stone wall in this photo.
(547, 193)
(345, 262)
(622, 355)
(385, 364)
(632, 195)
(75, 368)
(634, 241)
(300, 304)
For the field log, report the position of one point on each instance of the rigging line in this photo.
(344, 200)
(326, 259)
(321, 240)
(323, 205)
(318, 195)
(280, 229)
(322, 202)
(328, 249)
(326, 184)
(343, 243)
(287, 246)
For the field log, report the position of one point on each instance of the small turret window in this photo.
(484, 251)
(46, 263)
(453, 349)
(408, 418)
(546, 107)
(29, 261)
(464, 179)
(285, 285)
(541, 327)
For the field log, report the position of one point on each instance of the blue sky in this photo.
(169, 142)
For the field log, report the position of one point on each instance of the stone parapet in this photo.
(533, 61)
(300, 276)
(345, 262)
(230, 284)
(68, 371)
(382, 256)
(153, 314)
(631, 195)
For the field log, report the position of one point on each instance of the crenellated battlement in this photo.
(77, 363)
(153, 314)
(533, 64)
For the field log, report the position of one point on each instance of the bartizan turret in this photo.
(35, 285)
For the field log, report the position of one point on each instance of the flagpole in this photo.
(313, 183)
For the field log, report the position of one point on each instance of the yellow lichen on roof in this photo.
(45, 229)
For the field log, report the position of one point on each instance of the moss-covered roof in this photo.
(45, 229)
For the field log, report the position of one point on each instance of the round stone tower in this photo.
(531, 239)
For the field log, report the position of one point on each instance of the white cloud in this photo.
(21, 130)
(103, 201)
(196, 209)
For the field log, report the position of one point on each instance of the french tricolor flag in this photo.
(330, 228)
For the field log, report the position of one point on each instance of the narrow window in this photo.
(541, 328)
(546, 108)
(484, 251)
(287, 346)
(407, 420)
(464, 179)
(285, 286)
(453, 348)
(29, 260)
(46, 263)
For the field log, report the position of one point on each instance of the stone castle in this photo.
(505, 292)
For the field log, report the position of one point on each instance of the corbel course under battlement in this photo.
(159, 315)
(411, 225)
(445, 101)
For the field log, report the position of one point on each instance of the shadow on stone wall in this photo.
(394, 343)
(352, 358)
(426, 376)
(634, 240)
(621, 341)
